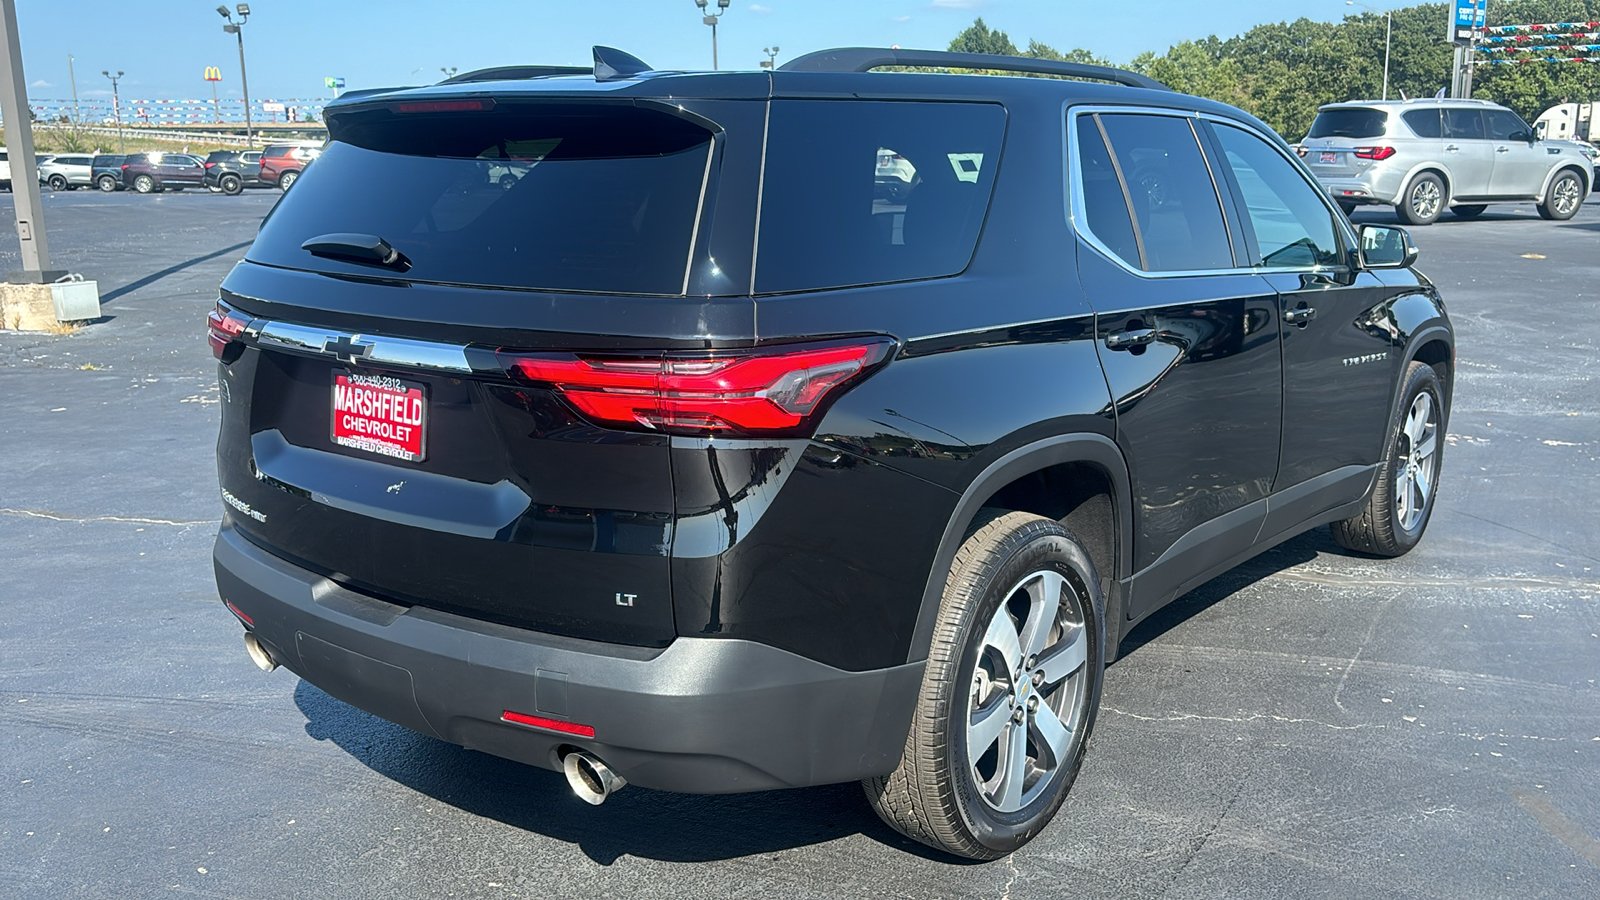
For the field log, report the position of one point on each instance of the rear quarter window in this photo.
(871, 192)
(1424, 123)
(1352, 122)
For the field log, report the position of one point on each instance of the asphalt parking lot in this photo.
(1312, 724)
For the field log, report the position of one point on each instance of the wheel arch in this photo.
(1585, 177)
(1433, 346)
(1436, 168)
(1080, 480)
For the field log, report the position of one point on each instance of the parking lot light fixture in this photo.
(772, 56)
(1388, 29)
(237, 29)
(116, 106)
(710, 18)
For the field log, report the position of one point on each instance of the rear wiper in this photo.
(361, 248)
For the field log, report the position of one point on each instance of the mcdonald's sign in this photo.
(213, 73)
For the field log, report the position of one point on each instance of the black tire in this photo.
(1470, 211)
(1423, 200)
(232, 185)
(58, 183)
(1384, 527)
(937, 794)
(176, 189)
(144, 184)
(287, 179)
(1564, 198)
(107, 183)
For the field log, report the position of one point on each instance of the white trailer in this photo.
(1569, 122)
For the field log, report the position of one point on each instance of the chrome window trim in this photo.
(394, 351)
(1078, 218)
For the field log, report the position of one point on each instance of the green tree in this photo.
(978, 38)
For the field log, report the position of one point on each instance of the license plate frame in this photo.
(1327, 157)
(395, 411)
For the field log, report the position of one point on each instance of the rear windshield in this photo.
(1351, 123)
(555, 197)
(868, 192)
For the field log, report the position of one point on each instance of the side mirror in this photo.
(1386, 247)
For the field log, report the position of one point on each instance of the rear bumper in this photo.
(704, 715)
(1380, 184)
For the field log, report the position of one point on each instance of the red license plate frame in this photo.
(379, 414)
(1327, 157)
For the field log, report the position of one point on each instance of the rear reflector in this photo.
(1374, 152)
(223, 325)
(240, 613)
(432, 106)
(765, 392)
(551, 724)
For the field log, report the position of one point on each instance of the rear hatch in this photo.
(1338, 135)
(378, 427)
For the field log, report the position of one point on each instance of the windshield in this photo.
(1349, 122)
(600, 199)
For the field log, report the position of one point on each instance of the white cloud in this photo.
(758, 8)
(41, 83)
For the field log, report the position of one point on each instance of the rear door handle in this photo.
(1502, 149)
(1127, 340)
(1451, 149)
(1300, 315)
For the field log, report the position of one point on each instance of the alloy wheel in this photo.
(1566, 195)
(1027, 700)
(1425, 199)
(1417, 457)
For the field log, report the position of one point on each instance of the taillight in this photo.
(124, 167)
(211, 165)
(1374, 152)
(223, 325)
(745, 392)
(1301, 149)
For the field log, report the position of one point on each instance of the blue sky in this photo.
(291, 45)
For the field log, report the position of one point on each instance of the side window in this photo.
(1175, 205)
(1463, 123)
(1505, 125)
(1105, 205)
(1293, 227)
(1424, 122)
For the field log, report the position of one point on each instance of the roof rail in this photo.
(512, 73)
(865, 59)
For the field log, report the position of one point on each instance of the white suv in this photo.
(1425, 156)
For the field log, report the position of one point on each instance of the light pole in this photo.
(237, 29)
(710, 18)
(449, 72)
(772, 56)
(116, 107)
(77, 115)
(1388, 29)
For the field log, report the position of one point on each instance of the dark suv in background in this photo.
(106, 172)
(231, 171)
(694, 459)
(153, 172)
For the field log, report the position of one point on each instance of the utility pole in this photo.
(711, 18)
(24, 170)
(1388, 30)
(116, 105)
(237, 29)
(77, 114)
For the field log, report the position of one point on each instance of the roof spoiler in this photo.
(610, 64)
(865, 59)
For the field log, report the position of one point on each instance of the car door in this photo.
(187, 170)
(1467, 152)
(1339, 362)
(1188, 339)
(1520, 164)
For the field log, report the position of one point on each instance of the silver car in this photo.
(67, 172)
(1425, 156)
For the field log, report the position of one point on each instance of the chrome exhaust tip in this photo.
(258, 653)
(592, 780)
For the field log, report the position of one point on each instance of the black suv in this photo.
(691, 459)
(106, 171)
(231, 171)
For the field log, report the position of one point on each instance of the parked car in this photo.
(517, 468)
(231, 171)
(1425, 156)
(106, 171)
(153, 172)
(282, 163)
(5, 169)
(894, 176)
(67, 172)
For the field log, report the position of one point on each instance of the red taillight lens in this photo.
(430, 106)
(222, 326)
(1301, 149)
(741, 392)
(1374, 152)
(211, 165)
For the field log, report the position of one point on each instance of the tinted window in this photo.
(1174, 201)
(830, 219)
(1424, 122)
(1104, 204)
(271, 152)
(1293, 227)
(1353, 122)
(552, 197)
(1505, 125)
(1463, 123)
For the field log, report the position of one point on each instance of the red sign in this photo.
(379, 414)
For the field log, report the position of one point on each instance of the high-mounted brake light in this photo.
(744, 392)
(223, 325)
(431, 106)
(1374, 152)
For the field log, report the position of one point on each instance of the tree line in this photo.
(1281, 72)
